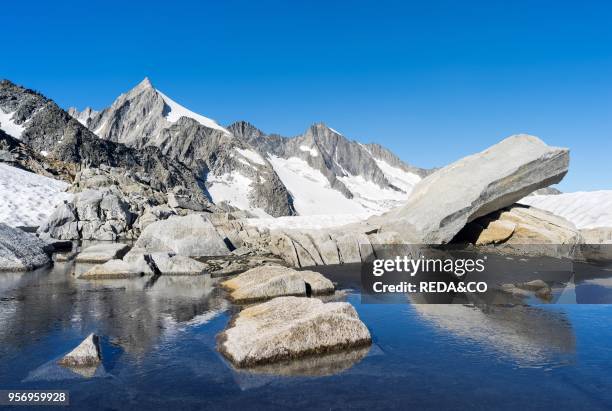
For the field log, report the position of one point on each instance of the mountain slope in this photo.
(328, 173)
(52, 132)
(234, 174)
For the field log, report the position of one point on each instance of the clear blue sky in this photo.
(432, 80)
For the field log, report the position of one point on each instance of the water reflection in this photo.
(133, 316)
(527, 335)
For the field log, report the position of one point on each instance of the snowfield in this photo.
(311, 191)
(177, 111)
(27, 199)
(313, 194)
(311, 222)
(234, 190)
(585, 209)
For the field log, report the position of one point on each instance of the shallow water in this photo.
(158, 346)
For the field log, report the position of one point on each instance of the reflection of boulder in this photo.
(525, 334)
(313, 366)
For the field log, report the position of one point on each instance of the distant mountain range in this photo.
(238, 166)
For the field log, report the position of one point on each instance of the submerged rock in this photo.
(101, 253)
(86, 354)
(262, 283)
(20, 251)
(191, 236)
(291, 327)
(445, 201)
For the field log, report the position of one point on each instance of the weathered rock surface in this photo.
(116, 269)
(602, 235)
(445, 201)
(262, 283)
(101, 253)
(291, 327)
(524, 225)
(169, 264)
(20, 251)
(191, 236)
(86, 354)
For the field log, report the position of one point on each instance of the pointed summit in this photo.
(145, 84)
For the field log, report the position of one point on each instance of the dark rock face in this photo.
(21, 251)
(51, 130)
(17, 154)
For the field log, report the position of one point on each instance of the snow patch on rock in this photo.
(234, 190)
(28, 199)
(311, 191)
(8, 125)
(251, 155)
(177, 111)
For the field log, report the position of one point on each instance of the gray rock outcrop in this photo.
(445, 201)
(286, 328)
(21, 251)
(191, 236)
(101, 253)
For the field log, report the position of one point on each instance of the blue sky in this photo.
(432, 80)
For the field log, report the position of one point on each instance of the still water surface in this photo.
(158, 346)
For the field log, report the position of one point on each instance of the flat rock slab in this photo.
(265, 282)
(86, 354)
(169, 264)
(101, 253)
(288, 328)
(445, 201)
(191, 236)
(115, 270)
(21, 251)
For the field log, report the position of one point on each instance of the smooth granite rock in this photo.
(286, 328)
(115, 270)
(101, 253)
(265, 282)
(445, 201)
(191, 236)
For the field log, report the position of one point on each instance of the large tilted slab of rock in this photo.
(445, 201)
(191, 236)
(265, 282)
(291, 327)
(86, 354)
(20, 251)
(101, 253)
